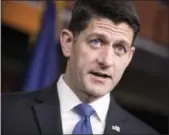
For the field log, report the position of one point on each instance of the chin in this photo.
(97, 91)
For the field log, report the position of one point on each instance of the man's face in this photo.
(98, 56)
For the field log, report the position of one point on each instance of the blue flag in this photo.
(44, 67)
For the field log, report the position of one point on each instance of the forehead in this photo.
(110, 30)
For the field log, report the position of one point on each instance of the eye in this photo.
(95, 42)
(120, 50)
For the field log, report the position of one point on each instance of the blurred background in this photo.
(144, 88)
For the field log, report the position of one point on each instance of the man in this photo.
(99, 46)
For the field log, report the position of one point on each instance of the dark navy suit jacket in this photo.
(38, 113)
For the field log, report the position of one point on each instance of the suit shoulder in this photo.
(22, 95)
(16, 95)
(9, 99)
(136, 124)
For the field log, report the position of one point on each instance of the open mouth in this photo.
(99, 74)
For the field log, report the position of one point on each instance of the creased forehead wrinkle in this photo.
(111, 30)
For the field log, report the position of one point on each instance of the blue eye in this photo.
(95, 42)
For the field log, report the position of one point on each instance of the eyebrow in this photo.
(98, 35)
(121, 41)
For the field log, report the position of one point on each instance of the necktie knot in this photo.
(84, 110)
(84, 125)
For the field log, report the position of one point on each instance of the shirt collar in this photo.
(101, 106)
(69, 100)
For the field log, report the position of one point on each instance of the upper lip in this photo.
(101, 74)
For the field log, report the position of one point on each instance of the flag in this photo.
(44, 66)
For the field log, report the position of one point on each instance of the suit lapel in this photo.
(47, 112)
(115, 119)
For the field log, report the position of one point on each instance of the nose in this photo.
(105, 58)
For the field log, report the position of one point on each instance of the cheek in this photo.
(120, 66)
(84, 56)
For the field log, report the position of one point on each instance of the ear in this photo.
(132, 51)
(66, 40)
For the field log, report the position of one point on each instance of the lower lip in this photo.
(97, 79)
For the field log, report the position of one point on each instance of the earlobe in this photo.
(132, 51)
(66, 40)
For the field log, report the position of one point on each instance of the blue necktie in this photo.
(84, 125)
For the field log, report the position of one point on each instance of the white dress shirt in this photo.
(68, 100)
